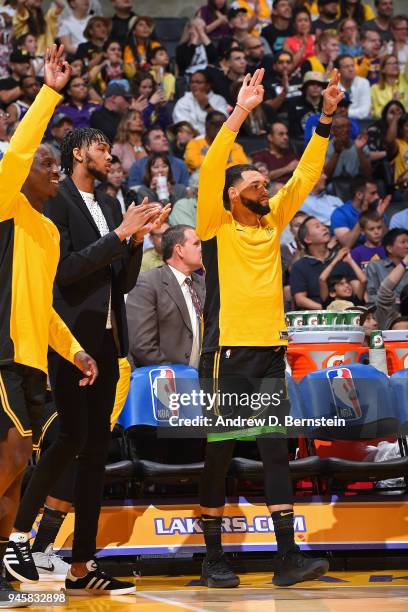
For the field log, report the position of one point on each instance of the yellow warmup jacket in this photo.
(29, 253)
(249, 263)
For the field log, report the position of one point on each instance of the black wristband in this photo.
(323, 129)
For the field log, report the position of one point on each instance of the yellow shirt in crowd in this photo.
(381, 97)
(197, 148)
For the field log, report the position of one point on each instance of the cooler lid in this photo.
(395, 335)
(323, 337)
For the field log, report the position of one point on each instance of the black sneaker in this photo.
(96, 582)
(218, 574)
(294, 566)
(19, 562)
(9, 596)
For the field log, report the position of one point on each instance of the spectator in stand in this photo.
(372, 228)
(30, 19)
(155, 141)
(78, 106)
(258, 11)
(71, 29)
(234, 70)
(108, 68)
(256, 57)
(357, 88)
(368, 64)
(256, 124)
(305, 273)
(382, 22)
(349, 38)
(128, 145)
(327, 50)
(20, 66)
(320, 204)
(301, 44)
(120, 19)
(395, 243)
(152, 256)
(164, 308)
(399, 43)
(184, 211)
(151, 101)
(115, 187)
(346, 159)
(377, 144)
(309, 103)
(397, 148)
(195, 50)
(291, 252)
(356, 9)
(4, 135)
(280, 160)
(285, 83)
(328, 17)
(139, 45)
(29, 89)
(342, 111)
(345, 224)
(180, 134)
(214, 15)
(157, 165)
(61, 125)
(391, 86)
(389, 311)
(197, 148)
(28, 42)
(96, 33)
(280, 27)
(115, 106)
(165, 80)
(198, 102)
(338, 286)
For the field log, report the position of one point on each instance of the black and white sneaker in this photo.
(96, 582)
(9, 596)
(294, 566)
(218, 574)
(19, 561)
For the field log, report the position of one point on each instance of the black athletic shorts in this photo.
(22, 399)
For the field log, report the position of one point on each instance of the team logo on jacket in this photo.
(162, 386)
(344, 394)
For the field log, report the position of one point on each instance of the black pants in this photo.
(84, 415)
(246, 364)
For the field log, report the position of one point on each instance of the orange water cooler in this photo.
(396, 346)
(309, 351)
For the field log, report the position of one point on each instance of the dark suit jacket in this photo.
(90, 265)
(159, 323)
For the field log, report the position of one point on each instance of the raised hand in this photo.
(361, 140)
(252, 92)
(383, 205)
(57, 72)
(154, 222)
(332, 94)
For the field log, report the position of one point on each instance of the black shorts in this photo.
(22, 399)
(250, 382)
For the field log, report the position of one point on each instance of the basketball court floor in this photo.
(379, 591)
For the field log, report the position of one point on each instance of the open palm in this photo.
(252, 92)
(57, 72)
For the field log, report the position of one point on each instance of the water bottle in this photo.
(162, 189)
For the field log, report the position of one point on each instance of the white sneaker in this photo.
(49, 565)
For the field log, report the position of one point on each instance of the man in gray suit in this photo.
(164, 308)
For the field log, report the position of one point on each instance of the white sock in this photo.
(19, 537)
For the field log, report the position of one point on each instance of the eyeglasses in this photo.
(255, 47)
(392, 63)
(4, 115)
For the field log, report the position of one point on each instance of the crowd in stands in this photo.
(162, 107)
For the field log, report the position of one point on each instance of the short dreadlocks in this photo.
(82, 137)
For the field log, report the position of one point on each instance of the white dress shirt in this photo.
(195, 324)
(360, 98)
(188, 109)
(100, 222)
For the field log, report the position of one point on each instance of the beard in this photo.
(98, 174)
(255, 206)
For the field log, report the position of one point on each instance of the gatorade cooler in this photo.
(396, 346)
(315, 350)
